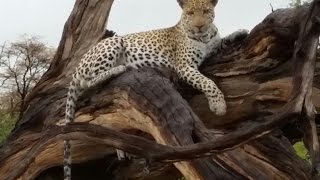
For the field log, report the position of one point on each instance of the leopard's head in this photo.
(197, 19)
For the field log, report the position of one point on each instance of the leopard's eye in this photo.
(190, 12)
(206, 11)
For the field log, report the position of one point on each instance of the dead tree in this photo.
(270, 80)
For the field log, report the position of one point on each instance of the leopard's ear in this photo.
(214, 2)
(181, 2)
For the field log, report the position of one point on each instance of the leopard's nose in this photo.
(199, 26)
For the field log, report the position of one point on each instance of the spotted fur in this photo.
(182, 48)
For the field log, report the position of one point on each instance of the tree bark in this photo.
(267, 106)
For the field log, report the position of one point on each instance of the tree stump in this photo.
(165, 124)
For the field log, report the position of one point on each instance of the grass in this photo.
(6, 125)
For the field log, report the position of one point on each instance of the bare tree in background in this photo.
(22, 63)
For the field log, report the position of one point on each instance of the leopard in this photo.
(181, 48)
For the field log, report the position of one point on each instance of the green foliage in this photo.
(296, 3)
(301, 150)
(6, 125)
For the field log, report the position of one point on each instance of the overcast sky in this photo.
(47, 17)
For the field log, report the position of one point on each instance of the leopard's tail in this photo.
(73, 94)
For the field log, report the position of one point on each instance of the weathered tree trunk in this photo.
(267, 107)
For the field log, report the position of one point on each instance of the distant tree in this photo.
(22, 63)
(295, 3)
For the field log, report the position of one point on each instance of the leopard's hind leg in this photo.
(96, 66)
(102, 77)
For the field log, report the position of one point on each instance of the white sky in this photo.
(47, 17)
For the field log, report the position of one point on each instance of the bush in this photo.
(7, 123)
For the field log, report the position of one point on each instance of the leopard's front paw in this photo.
(218, 106)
